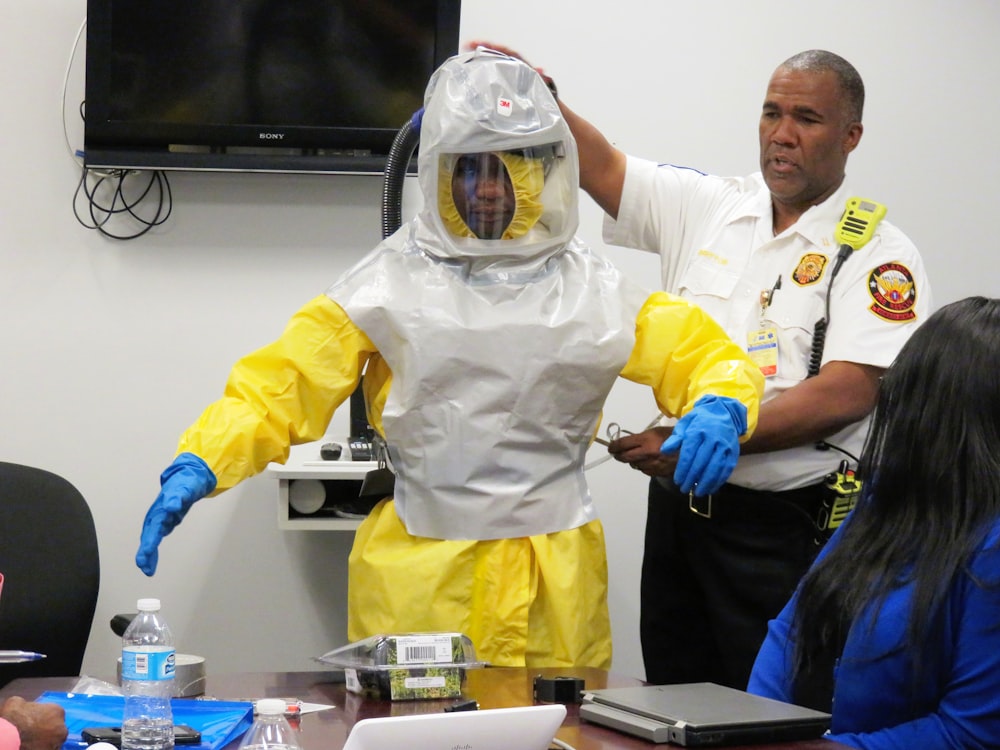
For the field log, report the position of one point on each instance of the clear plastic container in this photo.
(148, 660)
(407, 666)
(270, 730)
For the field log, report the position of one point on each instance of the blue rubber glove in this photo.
(708, 438)
(186, 481)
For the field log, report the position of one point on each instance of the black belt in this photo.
(736, 501)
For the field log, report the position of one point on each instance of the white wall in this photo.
(110, 349)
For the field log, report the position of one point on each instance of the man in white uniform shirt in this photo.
(758, 253)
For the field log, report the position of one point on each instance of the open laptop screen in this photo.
(524, 728)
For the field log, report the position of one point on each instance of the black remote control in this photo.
(361, 448)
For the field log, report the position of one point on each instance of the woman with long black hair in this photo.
(896, 627)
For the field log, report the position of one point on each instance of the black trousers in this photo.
(710, 585)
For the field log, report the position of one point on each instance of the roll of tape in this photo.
(306, 496)
(189, 675)
(558, 689)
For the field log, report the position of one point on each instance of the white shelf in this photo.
(304, 462)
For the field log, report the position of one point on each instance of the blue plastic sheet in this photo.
(220, 722)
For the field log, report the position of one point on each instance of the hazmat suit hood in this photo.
(483, 102)
(501, 333)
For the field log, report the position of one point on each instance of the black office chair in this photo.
(51, 568)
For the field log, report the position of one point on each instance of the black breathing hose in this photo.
(396, 165)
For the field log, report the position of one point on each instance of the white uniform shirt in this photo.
(716, 244)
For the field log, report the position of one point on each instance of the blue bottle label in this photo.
(148, 665)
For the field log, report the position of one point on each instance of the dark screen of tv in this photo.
(259, 85)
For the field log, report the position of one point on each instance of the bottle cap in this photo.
(148, 605)
(270, 706)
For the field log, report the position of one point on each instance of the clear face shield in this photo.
(503, 195)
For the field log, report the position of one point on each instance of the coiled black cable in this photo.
(117, 203)
(819, 333)
(818, 342)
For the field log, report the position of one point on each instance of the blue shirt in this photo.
(958, 702)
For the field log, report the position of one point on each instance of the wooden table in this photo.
(493, 687)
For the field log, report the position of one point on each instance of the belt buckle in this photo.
(695, 505)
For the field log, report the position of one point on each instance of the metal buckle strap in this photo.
(701, 506)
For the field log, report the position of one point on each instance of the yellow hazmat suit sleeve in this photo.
(682, 354)
(280, 395)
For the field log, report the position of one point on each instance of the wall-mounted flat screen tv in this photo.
(258, 85)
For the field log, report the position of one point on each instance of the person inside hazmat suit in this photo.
(489, 338)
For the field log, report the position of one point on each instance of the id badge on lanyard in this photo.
(762, 343)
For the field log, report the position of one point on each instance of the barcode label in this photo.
(144, 664)
(424, 649)
(351, 680)
(419, 653)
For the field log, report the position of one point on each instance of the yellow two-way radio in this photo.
(842, 492)
(857, 224)
(856, 227)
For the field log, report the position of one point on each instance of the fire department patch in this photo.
(891, 287)
(810, 269)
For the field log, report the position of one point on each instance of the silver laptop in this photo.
(700, 714)
(524, 728)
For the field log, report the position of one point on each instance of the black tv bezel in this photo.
(113, 144)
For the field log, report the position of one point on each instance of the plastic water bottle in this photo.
(148, 680)
(270, 730)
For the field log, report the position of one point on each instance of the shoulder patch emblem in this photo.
(893, 292)
(810, 269)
